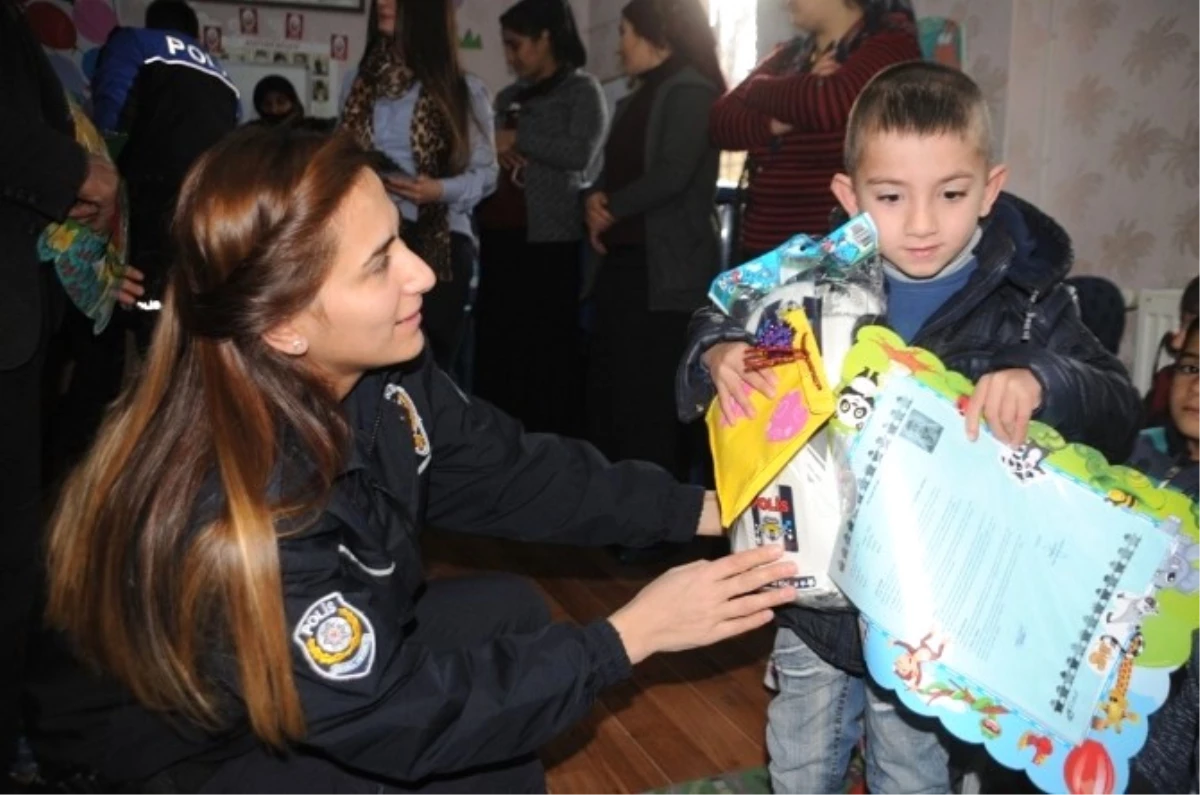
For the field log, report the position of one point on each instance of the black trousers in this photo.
(527, 338)
(20, 523)
(97, 365)
(631, 374)
(443, 312)
(452, 613)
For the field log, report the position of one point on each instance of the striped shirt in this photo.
(790, 174)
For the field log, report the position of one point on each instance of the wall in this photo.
(1095, 109)
(1103, 131)
(319, 26)
(477, 16)
(987, 26)
(601, 37)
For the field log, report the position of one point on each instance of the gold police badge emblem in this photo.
(336, 639)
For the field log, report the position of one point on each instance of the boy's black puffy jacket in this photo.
(1014, 312)
(376, 703)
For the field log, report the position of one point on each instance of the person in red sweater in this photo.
(790, 112)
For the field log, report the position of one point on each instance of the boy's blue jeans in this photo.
(818, 716)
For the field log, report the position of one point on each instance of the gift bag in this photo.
(799, 495)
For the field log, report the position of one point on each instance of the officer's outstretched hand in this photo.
(703, 602)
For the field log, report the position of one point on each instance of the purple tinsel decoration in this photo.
(775, 334)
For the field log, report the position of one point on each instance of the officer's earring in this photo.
(299, 346)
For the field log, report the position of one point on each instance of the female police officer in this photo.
(239, 550)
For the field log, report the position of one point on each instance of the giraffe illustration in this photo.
(1115, 708)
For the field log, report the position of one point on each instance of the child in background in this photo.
(1169, 455)
(975, 276)
(276, 101)
(1159, 396)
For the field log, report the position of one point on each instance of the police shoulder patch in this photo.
(408, 408)
(336, 639)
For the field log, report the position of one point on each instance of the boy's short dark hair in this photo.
(173, 15)
(1189, 302)
(922, 98)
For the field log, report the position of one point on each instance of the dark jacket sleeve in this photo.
(585, 131)
(1086, 392)
(822, 103)
(489, 477)
(40, 168)
(374, 700)
(694, 388)
(685, 111)
(116, 69)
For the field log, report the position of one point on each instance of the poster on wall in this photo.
(294, 26)
(212, 40)
(352, 6)
(72, 34)
(942, 41)
(248, 21)
(307, 65)
(339, 46)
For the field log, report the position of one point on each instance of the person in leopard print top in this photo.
(411, 101)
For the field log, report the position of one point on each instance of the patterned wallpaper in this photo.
(1094, 107)
(987, 25)
(1102, 131)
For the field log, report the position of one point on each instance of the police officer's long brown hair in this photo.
(153, 587)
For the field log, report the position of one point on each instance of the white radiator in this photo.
(1157, 315)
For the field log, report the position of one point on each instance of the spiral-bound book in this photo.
(986, 560)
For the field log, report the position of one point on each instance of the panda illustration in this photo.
(1025, 462)
(857, 400)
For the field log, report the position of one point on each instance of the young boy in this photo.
(975, 276)
(1158, 398)
(1169, 455)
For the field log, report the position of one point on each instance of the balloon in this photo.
(89, 62)
(94, 19)
(1089, 769)
(70, 75)
(51, 25)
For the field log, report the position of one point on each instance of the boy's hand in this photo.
(710, 517)
(727, 366)
(1006, 399)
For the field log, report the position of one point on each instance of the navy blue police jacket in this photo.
(424, 454)
(172, 100)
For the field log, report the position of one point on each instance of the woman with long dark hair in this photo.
(550, 127)
(653, 219)
(790, 113)
(412, 102)
(239, 552)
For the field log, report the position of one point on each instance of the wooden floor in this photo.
(681, 717)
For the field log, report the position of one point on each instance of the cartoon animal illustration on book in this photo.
(1121, 498)
(960, 698)
(1043, 746)
(1025, 462)
(857, 399)
(908, 665)
(1121, 485)
(1104, 652)
(1179, 570)
(1128, 609)
(1114, 708)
